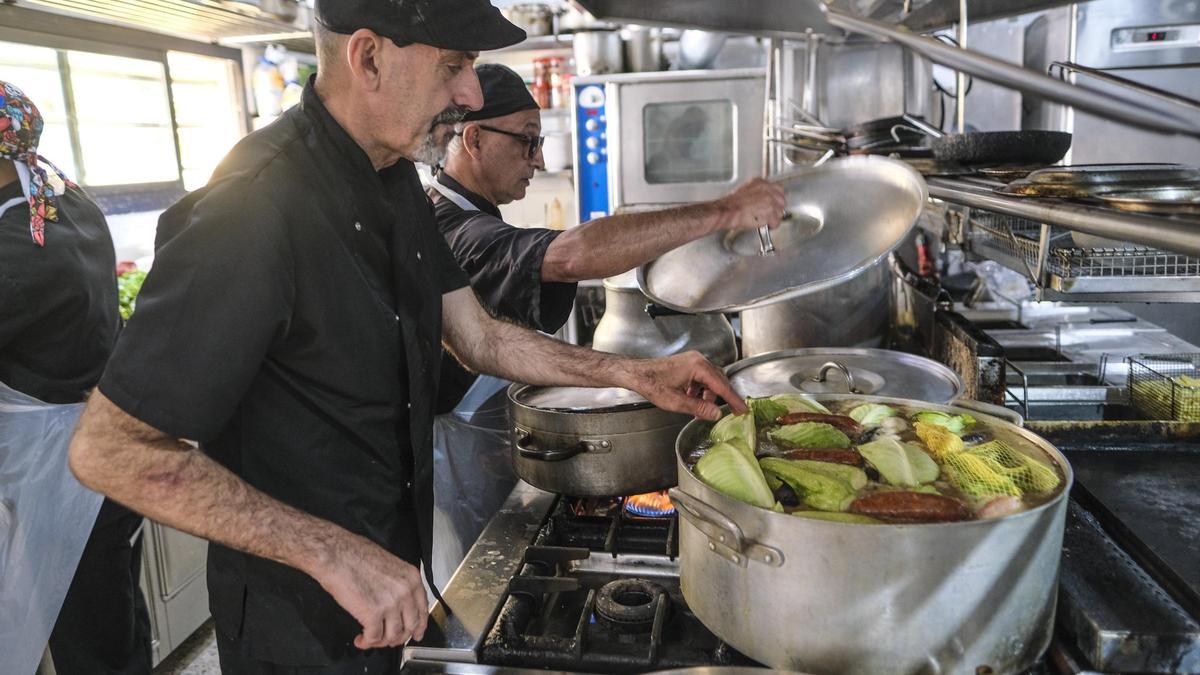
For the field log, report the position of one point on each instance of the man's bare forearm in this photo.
(613, 244)
(506, 350)
(175, 484)
(685, 383)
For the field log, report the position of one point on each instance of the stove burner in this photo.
(650, 505)
(629, 605)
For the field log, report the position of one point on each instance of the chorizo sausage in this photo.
(834, 455)
(910, 507)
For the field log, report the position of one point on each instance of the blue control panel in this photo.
(591, 135)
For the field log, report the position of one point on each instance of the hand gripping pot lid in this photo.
(844, 216)
(879, 372)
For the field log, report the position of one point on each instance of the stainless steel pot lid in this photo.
(579, 399)
(880, 372)
(844, 216)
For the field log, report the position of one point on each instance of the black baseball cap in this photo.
(461, 25)
(504, 93)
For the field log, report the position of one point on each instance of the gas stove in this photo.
(595, 589)
(577, 585)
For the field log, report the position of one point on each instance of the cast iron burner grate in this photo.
(558, 616)
(604, 525)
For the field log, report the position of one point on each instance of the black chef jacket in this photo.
(292, 324)
(504, 264)
(58, 303)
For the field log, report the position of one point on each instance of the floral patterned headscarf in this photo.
(20, 131)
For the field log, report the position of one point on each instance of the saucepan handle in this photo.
(529, 450)
(725, 537)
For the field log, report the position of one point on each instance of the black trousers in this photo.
(104, 628)
(374, 662)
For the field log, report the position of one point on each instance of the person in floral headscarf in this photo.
(58, 325)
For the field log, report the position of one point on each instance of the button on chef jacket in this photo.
(504, 265)
(292, 324)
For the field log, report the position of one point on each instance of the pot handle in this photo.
(725, 538)
(528, 450)
(992, 409)
(823, 374)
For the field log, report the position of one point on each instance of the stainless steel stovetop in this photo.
(573, 586)
(578, 584)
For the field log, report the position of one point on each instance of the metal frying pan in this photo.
(978, 148)
(1003, 147)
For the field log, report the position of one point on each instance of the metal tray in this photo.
(1007, 172)
(1166, 199)
(1088, 180)
(847, 214)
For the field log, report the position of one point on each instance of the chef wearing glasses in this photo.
(528, 275)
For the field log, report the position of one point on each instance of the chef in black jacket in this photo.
(528, 275)
(58, 324)
(292, 325)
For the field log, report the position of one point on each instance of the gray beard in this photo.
(429, 152)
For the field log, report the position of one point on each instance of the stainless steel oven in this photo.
(645, 139)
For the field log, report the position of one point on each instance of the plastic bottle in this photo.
(554, 215)
(541, 83)
(268, 88)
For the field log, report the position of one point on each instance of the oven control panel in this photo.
(1156, 37)
(591, 151)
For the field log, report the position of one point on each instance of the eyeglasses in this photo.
(534, 142)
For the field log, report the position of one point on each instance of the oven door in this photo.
(685, 139)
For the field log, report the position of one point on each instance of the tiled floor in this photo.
(196, 656)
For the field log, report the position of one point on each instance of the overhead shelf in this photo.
(1168, 233)
(1031, 236)
(541, 43)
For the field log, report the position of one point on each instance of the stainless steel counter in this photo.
(458, 625)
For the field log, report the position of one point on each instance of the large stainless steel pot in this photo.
(826, 597)
(856, 370)
(626, 328)
(589, 442)
(598, 52)
(833, 370)
(853, 313)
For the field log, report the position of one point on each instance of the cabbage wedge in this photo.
(810, 435)
(900, 463)
(729, 471)
(800, 403)
(739, 427)
(817, 490)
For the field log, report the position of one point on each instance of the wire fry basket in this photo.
(1166, 387)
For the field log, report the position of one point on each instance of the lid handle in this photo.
(823, 373)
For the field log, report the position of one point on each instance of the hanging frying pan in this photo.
(987, 148)
(1003, 147)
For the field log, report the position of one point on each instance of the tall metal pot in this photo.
(626, 328)
(853, 313)
(827, 597)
